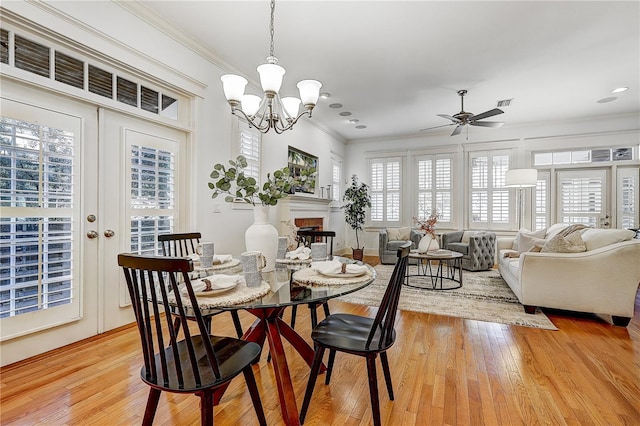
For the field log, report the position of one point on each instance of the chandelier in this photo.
(272, 111)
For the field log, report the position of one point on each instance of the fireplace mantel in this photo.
(297, 206)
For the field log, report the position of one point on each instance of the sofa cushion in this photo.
(554, 229)
(459, 247)
(395, 245)
(572, 243)
(527, 243)
(466, 236)
(399, 234)
(596, 238)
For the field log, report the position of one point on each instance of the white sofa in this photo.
(602, 280)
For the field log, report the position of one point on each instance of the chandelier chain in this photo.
(271, 30)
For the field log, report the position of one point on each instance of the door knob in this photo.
(92, 235)
(109, 233)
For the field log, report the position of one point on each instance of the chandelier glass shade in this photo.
(271, 111)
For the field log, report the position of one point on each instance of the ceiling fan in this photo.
(464, 118)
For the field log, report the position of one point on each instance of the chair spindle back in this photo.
(179, 245)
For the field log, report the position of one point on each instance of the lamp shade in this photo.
(521, 178)
(233, 86)
(309, 91)
(271, 77)
(251, 104)
(291, 106)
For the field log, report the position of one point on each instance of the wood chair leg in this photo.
(206, 408)
(373, 390)
(255, 395)
(294, 311)
(237, 324)
(176, 324)
(313, 375)
(387, 373)
(152, 405)
(325, 306)
(314, 314)
(332, 357)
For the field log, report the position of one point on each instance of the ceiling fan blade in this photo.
(486, 114)
(449, 117)
(487, 123)
(437, 127)
(457, 130)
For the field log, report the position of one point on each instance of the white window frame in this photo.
(336, 181)
(492, 187)
(435, 188)
(384, 191)
(627, 196)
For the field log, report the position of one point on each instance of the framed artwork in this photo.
(300, 162)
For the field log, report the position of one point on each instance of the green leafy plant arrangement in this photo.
(357, 200)
(278, 185)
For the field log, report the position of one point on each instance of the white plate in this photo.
(219, 288)
(341, 275)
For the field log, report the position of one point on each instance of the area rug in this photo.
(484, 296)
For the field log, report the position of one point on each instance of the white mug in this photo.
(319, 251)
(205, 249)
(283, 243)
(253, 279)
(252, 261)
(206, 261)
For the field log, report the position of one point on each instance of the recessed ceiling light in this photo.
(605, 100)
(335, 106)
(353, 121)
(619, 89)
(362, 126)
(345, 113)
(325, 95)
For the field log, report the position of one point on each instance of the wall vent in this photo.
(504, 103)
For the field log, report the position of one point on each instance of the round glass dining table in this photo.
(285, 291)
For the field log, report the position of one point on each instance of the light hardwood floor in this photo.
(446, 371)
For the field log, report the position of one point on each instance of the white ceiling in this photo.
(396, 64)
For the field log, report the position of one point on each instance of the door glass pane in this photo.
(100, 82)
(127, 91)
(31, 56)
(69, 70)
(36, 193)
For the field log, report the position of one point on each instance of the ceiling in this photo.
(396, 64)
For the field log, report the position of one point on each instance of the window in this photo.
(541, 216)
(581, 197)
(434, 176)
(250, 144)
(37, 196)
(489, 199)
(385, 191)
(152, 202)
(336, 180)
(583, 156)
(628, 182)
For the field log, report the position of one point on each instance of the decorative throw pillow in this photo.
(466, 236)
(572, 243)
(554, 229)
(527, 242)
(526, 232)
(596, 238)
(399, 234)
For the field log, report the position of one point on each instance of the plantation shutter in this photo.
(581, 196)
(385, 177)
(435, 187)
(250, 148)
(489, 199)
(628, 198)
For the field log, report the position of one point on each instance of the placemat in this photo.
(310, 277)
(240, 294)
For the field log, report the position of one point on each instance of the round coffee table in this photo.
(448, 270)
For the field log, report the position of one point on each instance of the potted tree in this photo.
(357, 200)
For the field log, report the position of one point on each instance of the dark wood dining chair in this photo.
(306, 238)
(183, 245)
(362, 336)
(198, 364)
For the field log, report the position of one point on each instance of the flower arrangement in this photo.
(428, 225)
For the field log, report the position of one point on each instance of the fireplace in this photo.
(309, 223)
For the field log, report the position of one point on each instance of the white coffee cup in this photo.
(283, 243)
(253, 279)
(206, 261)
(252, 261)
(205, 249)
(319, 251)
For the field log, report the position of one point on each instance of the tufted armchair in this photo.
(388, 248)
(477, 248)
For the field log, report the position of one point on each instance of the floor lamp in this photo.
(521, 179)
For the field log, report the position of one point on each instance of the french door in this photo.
(582, 197)
(78, 185)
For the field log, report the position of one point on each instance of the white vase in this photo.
(428, 243)
(262, 236)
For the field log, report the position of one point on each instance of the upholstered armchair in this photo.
(477, 248)
(391, 239)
